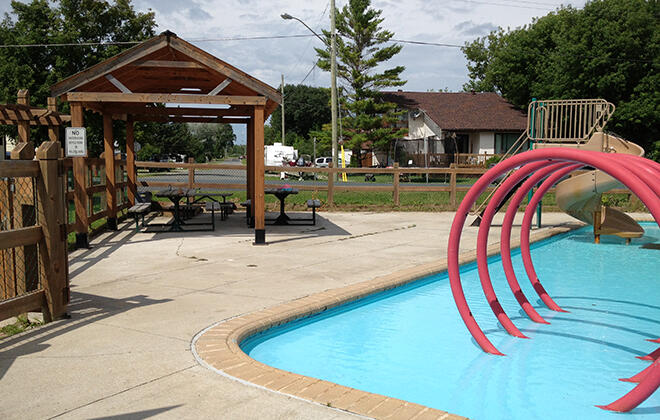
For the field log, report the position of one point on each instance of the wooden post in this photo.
(191, 173)
(23, 126)
(258, 203)
(53, 130)
(331, 184)
(597, 216)
(250, 165)
(131, 170)
(452, 190)
(396, 183)
(52, 249)
(80, 184)
(110, 176)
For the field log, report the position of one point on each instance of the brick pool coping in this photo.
(217, 347)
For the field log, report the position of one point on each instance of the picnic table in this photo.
(281, 194)
(225, 208)
(175, 195)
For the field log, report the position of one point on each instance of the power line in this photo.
(87, 44)
(434, 44)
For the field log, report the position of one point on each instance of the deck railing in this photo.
(33, 255)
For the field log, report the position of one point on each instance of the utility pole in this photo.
(283, 141)
(333, 88)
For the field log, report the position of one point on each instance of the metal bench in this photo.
(248, 213)
(313, 204)
(142, 206)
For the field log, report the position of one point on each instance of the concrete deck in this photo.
(139, 299)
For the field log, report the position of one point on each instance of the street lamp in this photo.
(333, 74)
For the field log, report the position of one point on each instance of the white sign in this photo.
(76, 142)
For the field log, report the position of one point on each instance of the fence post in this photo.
(52, 250)
(331, 184)
(191, 173)
(396, 183)
(452, 189)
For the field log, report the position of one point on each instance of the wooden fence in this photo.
(329, 186)
(32, 239)
(94, 186)
(188, 178)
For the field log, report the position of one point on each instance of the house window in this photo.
(504, 141)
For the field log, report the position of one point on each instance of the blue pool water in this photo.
(410, 343)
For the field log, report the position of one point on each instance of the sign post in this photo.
(76, 142)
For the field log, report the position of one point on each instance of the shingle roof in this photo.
(463, 110)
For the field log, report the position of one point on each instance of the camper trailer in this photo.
(278, 155)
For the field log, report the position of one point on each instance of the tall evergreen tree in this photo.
(362, 46)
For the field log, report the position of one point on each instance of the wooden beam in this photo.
(223, 68)
(110, 180)
(219, 88)
(20, 237)
(20, 305)
(53, 132)
(101, 69)
(142, 110)
(19, 168)
(79, 177)
(119, 85)
(23, 126)
(130, 161)
(163, 98)
(258, 174)
(216, 120)
(50, 121)
(168, 64)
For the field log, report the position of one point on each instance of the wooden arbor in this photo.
(167, 79)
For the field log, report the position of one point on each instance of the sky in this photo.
(209, 23)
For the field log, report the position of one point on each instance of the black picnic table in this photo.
(281, 194)
(175, 195)
(225, 208)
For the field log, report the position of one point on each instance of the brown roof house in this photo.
(442, 124)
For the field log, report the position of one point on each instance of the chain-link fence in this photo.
(20, 271)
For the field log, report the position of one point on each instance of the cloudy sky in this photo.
(209, 23)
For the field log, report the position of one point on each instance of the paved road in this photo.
(228, 176)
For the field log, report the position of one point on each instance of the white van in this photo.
(324, 162)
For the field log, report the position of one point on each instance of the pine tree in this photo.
(366, 117)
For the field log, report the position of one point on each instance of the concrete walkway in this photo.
(138, 300)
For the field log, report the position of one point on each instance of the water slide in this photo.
(580, 195)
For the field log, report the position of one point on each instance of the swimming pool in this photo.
(410, 342)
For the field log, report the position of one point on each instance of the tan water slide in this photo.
(580, 195)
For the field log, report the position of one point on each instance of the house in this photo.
(442, 125)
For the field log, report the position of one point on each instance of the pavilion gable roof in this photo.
(166, 65)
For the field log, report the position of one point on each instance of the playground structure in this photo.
(579, 196)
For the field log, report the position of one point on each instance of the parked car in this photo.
(323, 162)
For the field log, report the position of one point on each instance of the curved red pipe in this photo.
(648, 385)
(505, 249)
(596, 159)
(542, 170)
(506, 232)
(638, 376)
(524, 235)
(654, 355)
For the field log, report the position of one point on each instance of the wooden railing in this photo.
(94, 182)
(396, 187)
(34, 264)
(188, 178)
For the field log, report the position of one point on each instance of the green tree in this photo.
(66, 21)
(215, 139)
(306, 108)
(366, 117)
(609, 49)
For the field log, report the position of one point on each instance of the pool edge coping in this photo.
(217, 347)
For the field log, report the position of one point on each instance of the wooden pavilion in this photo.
(167, 79)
